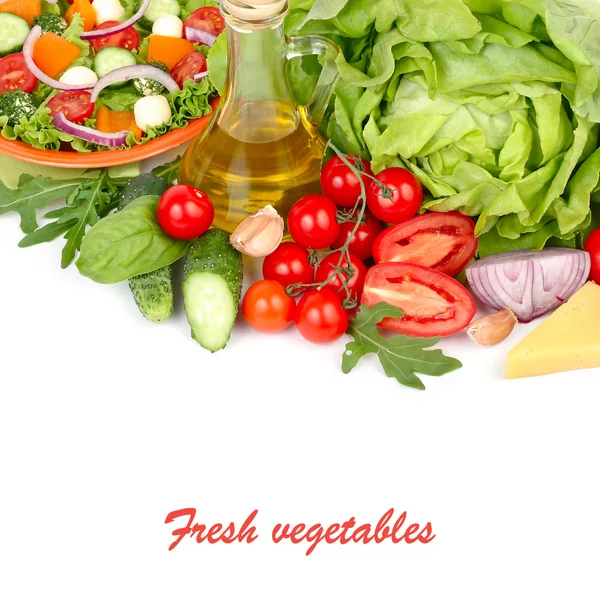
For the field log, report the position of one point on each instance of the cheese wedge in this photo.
(567, 340)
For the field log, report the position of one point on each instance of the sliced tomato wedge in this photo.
(188, 67)
(433, 303)
(75, 106)
(208, 18)
(445, 242)
(14, 74)
(128, 39)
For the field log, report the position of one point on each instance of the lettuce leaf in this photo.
(493, 104)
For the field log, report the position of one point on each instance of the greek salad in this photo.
(97, 74)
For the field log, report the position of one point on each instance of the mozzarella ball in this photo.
(168, 25)
(151, 111)
(108, 10)
(79, 76)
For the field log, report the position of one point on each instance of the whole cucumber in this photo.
(212, 288)
(152, 292)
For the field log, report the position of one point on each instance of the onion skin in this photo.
(98, 33)
(111, 140)
(529, 283)
(135, 72)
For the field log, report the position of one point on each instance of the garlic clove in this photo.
(259, 234)
(492, 329)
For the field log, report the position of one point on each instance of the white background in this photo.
(108, 423)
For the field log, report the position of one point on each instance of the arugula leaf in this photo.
(34, 193)
(168, 172)
(400, 356)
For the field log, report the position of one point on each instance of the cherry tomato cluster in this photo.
(338, 223)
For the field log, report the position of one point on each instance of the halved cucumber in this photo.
(13, 33)
(157, 9)
(212, 288)
(111, 58)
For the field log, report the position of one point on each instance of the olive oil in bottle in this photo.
(260, 147)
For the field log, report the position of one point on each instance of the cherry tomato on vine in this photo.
(592, 245)
(288, 265)
(361, 243)
(128, 38)
(76, 106)
(320, 318)
(355, 283)
(405, 196)
(339, 183)
(267, 307)
(312, 222)
(185, 212)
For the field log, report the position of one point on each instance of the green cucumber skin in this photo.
(214, 254)
(153, 294)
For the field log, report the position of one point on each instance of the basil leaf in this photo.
(129, 243)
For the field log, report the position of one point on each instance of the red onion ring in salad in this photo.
(112, 140)
(99, 33)
(197, 35)
(34, 35)
(200, 76)
(128, 73)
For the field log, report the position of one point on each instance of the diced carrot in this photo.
(26, 9)
(168, 50)
(112, 121)
(53, 54)
(84, 8)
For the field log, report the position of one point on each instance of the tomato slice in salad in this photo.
(189, 66)
(14, 74)
(445, 242)
(207, 19)
(128, 39)
(75, 106)
(433, 303)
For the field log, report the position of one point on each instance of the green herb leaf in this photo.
(47, 233)
(168, 172)
(129, 243)
(34, 193)
(400, 356)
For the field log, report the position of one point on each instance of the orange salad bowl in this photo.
(106, 158)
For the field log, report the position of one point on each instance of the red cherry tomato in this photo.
(405, 196)
(320, 318)
(362, 241)
(128, 39)
(189, 66)
(312, 222)
(185, 212)
(14, 74)
(340, 184)
(207, 19)
(267, 307)
(289, 265)
(592, 245)
(445, 242)
(75, 106)
(433, 303)
(354, 284)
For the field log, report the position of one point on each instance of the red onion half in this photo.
(34, 35)
(128, 73)
(530, 283)
(112, 140)
(98, 33)
(202, 37)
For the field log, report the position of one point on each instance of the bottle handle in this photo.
(313, 45)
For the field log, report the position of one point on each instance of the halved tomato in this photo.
(433, 303)
(445, 242)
